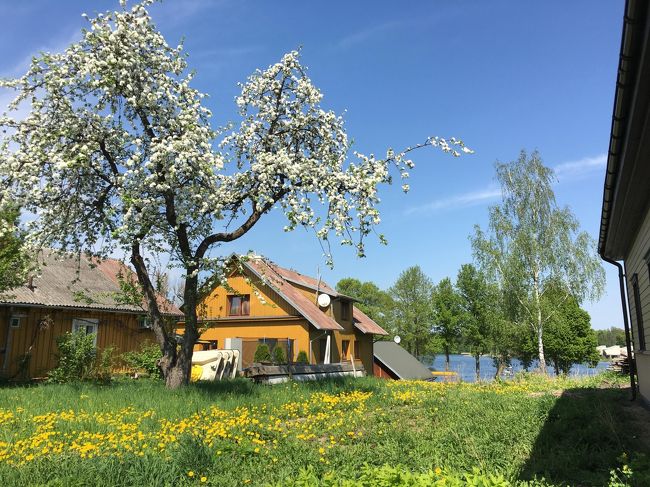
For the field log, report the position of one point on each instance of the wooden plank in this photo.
(257, 370)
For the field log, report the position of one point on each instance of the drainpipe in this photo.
(628, 342)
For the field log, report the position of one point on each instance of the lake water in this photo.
(464, 365)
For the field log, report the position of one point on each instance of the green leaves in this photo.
(14, 258)
(531, 245)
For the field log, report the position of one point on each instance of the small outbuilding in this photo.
(393, 362)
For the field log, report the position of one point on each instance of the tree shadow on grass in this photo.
(235, 387)
(337, 385)
(585, 437)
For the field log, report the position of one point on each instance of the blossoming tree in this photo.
(116, 152)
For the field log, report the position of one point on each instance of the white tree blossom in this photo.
(117, 152)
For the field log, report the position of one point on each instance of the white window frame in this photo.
(144, 323)
(84, 323)
(14, 321)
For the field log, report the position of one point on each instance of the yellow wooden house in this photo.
(265, 303)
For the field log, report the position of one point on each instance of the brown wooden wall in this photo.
(118, 330)
(266, 302)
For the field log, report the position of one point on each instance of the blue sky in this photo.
(502, 75)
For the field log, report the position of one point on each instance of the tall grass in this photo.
(565, 430)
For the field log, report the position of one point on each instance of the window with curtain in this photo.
(239, 305)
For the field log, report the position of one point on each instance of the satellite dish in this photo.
(323, 300)
(397, 339)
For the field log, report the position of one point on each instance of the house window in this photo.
(345, 349)
(357, 350)
(86, 325)
(639, 313)
(144, 322)
(239, 305)
(345, 311)
(14, 322)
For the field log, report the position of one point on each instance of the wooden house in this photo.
(265, 303)
(68, 294)
(625, 217)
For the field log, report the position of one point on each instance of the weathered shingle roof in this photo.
(64, 281)
(399, 361)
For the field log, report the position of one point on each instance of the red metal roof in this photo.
(284, 282)
(271, 274)
(302, 280)
(364, 323)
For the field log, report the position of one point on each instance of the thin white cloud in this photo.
(20, 68)
(171, 14)
(565, 171)
(368, 33)
(463, 200)
(581, 167)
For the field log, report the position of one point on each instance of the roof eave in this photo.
(634, 30)
(289, 300)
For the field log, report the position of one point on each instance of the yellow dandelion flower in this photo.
(204, 479)
(190, 474)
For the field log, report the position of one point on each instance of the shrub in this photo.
(77, 353)
(146, 359)
(262, 353)
(279, 356)
(103, 365)
(302, 357)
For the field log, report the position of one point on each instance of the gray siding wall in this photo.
(635, 263)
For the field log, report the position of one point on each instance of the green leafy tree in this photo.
(14, 259)
(448, 315)
(478, 306)
(374, 302)
(531, 244)
(569, 337)
(413, 312)
(611, 336)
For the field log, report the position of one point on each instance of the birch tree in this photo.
(531, 245)
(117, 153)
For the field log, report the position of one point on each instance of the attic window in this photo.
(345, 311)
(239, 305)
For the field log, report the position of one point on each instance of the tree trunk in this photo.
(500, 367)
(539, 326)
(540, 348)
(177, 372)
(175, 364)
(447, 359)
(557, 368)
(477, 357)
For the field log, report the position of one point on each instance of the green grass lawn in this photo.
(348, 432)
